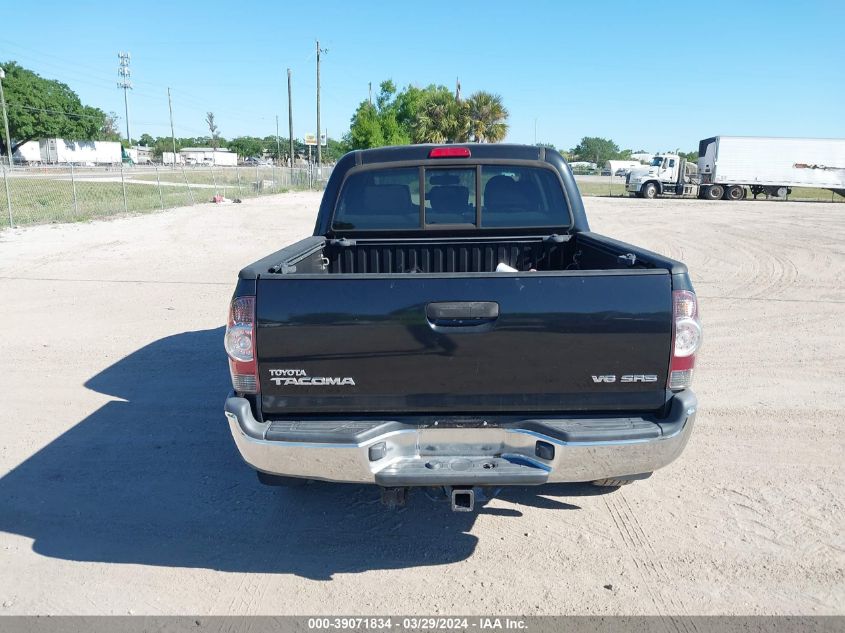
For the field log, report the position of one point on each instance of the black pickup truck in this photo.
(453, 322)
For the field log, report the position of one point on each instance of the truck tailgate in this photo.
(566, 341)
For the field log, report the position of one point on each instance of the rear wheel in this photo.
(650, 190)
(735, 192)
(714, 192)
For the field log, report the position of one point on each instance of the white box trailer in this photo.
(771, 165)
(57, 150)
(169, 158)
(209, 156)
(29, 152)
(613, 166)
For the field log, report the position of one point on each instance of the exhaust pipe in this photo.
(463, 500)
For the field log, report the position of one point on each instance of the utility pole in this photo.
(371, 92)
(172, 133)
(290, 120)
(6, 124)
(124, 73)
(319, 154)
(278, 143)
(8, 149)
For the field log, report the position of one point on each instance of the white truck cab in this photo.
(667, 174)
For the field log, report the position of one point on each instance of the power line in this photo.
(91, 75)
(76, 115)
(48, 111)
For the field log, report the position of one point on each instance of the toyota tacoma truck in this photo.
(454, 323)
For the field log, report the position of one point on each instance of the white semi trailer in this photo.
(57, 150)
(731, 166)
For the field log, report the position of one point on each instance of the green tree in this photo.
(334, 150)
(408, 103)
(45, 108)
(487, 117)
(441, 119)
(146, 140)
(250, 145)
(426, 115)
(377, 125)
(384, 100)
(596, 150)
(110, 130)
(690, 156)
(365, 130)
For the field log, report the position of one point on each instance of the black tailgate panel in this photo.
(552, 336)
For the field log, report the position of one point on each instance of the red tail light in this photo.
(450, 152)
(686, 339)
(240, 345)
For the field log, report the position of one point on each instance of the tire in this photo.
(734, 192)
(714, 192)
(649, 190)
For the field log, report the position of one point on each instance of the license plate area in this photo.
(465, 441)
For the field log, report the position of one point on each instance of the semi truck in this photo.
(729, 167)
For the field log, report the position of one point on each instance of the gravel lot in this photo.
(122, 492)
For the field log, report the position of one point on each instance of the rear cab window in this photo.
(516, 197)
(380, 199)
(450, 195)
(431, 197)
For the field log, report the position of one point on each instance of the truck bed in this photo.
(427, 326)
(580, 252)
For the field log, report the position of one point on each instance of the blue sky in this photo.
(650, 75)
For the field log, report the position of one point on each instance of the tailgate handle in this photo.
(461, 314)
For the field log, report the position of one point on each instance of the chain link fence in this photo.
(72, 193)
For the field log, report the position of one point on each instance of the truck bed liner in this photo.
(578, 252)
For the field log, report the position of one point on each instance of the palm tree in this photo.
(487, 117)
(441, 119)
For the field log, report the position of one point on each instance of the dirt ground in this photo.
(122, 492)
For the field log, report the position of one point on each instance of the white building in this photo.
(209, 156)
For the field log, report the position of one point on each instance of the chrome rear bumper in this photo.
(534, 451)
